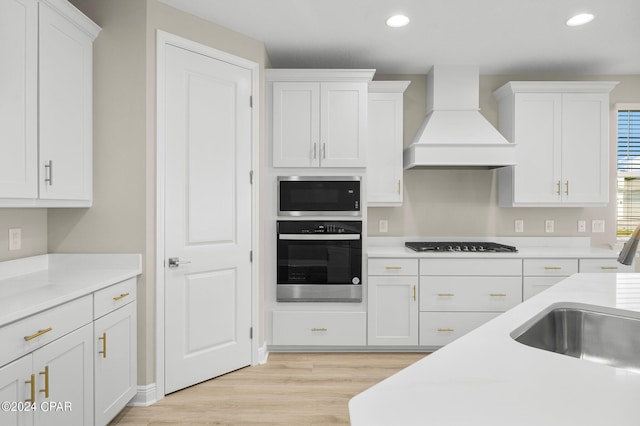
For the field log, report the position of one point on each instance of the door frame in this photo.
(164, 39)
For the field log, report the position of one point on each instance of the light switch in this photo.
(597, 225)
(582, 226)
(383, 225)
(15, 238)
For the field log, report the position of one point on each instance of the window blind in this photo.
(628, 194)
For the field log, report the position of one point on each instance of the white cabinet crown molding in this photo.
(79, 19)
(554, 87)
(342, 75)
(388, 86)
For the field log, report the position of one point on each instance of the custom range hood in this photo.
(454, 133)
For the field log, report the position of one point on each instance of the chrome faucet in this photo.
(630, 247)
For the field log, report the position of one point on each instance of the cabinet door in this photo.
(393, 310)
(538, 132)
(585, 148)
(343, 121)
(296, 124)
(18, 99)
(15, 389)
(115, 362)
(384, 154)
(64, 378)
(65, 85)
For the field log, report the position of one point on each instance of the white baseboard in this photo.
(263, 354)
(145, 396)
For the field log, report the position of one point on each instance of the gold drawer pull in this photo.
(46, 381)
(32, 383)
(38, 334)
(122, 296)
(498, 294)
(104, 344)
(608, 267)
(319, 330)
(393, 268)
(446, 294)
(414, 292)
(552, 268)
(447, 330)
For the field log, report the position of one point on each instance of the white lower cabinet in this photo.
(540, 274)
(440, 328)
(71, 361)
(309, 328)
(393, 310)
(603, 266)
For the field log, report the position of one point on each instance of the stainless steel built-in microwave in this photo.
(318, 195)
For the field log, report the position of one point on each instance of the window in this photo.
(628, 194)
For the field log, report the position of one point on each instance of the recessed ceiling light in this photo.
(397, 21)
(580, 19)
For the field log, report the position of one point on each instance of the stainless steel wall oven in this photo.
(319, 261)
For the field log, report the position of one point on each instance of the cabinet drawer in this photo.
(393, 267)
(491, 294)
(545, 267)
(58, 321)
(111, 298)
(603, 265)
(319, 328)
(440, 328)
(534, 285)
(493, 267)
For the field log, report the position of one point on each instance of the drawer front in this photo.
(440, 328)
(603, 266)
(534, 285)
(43, 328)
(319, 328)
(486, 267)
(111, 298)
(393, 267)
(490, 294)
(550, 267)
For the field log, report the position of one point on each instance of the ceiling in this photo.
(500, 36)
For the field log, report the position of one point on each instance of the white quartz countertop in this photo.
(487, 378)
(34, 284)
(523, 252)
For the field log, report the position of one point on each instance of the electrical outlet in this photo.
(383, 225)
(549, 225)
(597, 225)
(582, 226)
(518, 225)
(15, 239)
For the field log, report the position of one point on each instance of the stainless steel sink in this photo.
(598, 337)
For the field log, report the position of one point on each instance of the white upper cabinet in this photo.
(47, 140)
(561, 132)
(385, 146)
(318, 117)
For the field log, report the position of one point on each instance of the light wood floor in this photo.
(290, 389)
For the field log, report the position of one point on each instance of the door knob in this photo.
(174, 262)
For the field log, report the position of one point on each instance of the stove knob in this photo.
(465, 248)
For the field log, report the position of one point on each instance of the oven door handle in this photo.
(316, 237)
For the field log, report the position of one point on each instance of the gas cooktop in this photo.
(470, 247)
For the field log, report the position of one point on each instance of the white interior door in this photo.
(207, 217)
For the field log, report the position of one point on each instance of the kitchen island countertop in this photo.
(487, 378)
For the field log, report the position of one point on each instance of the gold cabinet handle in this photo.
(38, 334)
(414, 293)
(393, 268)
(567, 188)
(319, 330)
(558, 190)
(122, 296)
(46, 381)
(32, 382)
(446, 294)
(608, 267)
(552, 268)
(446, 330)
(104, 344)
(498, 294)
(398, 186)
